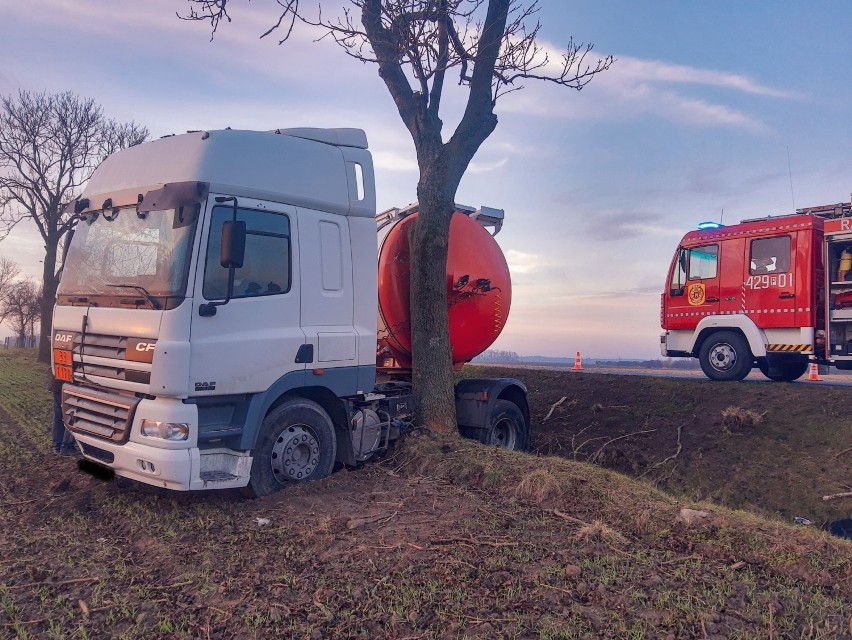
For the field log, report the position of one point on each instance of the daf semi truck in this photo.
(234, 313)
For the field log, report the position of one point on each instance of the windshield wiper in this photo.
(151, 299)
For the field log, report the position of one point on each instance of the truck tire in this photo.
(725, 355)
(792, 370)
(506, 427)
(296, 444)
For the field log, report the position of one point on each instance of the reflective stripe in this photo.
(788, 347)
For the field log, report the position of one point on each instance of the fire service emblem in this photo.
(696, 294)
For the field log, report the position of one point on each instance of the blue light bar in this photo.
(703, 226)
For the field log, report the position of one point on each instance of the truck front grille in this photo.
(117, 373)
(108, 356)
(103, 415)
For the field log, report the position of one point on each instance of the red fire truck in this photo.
(774, 292)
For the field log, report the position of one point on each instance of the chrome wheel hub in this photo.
(723, 357)
(295, 454)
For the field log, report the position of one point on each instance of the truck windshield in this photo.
(149, 251)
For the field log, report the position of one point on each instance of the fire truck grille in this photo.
(98, 414)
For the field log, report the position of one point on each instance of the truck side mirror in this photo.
(233, 249)
(231, 253)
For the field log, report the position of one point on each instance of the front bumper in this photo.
(179, 466)
(171, 469)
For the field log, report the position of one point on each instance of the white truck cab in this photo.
(218, 303)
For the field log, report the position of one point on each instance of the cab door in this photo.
(253, 339)
(771, 282)
(693, 291)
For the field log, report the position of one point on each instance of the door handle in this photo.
(786, 296)
(712, 300)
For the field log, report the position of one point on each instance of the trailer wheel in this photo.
(725, 356)
(296, 444)
(506, 427)
(792, 370)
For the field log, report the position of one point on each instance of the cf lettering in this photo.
(145, 346)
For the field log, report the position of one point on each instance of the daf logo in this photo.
(146, 346)
(64, 337)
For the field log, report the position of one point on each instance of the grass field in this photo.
(443, 539)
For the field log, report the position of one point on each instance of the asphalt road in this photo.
(833, 378)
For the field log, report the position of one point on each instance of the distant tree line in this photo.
(496, 355)
(20, 302)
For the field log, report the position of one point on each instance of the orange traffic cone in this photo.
(578, 362)
(813, 373)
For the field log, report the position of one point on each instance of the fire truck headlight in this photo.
(165, 430)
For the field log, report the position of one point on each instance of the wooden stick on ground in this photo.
(834, 496)
(553, 406)
(840, 453)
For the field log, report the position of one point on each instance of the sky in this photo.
(711, 111)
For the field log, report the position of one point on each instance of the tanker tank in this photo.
(479, 288)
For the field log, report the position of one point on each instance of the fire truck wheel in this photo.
(296, 444)
(725, 356)
(506, 427)
(790, 371)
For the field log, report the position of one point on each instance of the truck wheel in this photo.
(296, 444)
(725, 356)
(506, 427)
(789, 371)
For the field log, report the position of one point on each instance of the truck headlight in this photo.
(165, 430)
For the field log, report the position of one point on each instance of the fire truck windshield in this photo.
(149, 251)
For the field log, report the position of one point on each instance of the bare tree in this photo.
(20, 306)
(49, 146)
(492, 47)
(9, 270)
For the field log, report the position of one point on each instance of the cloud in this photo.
(645, 98)
(484, 167)
(521, 262)
(395, 161)
(627, 69)
(620, 294)
(608, 226)
(154, 30)
(634, 88)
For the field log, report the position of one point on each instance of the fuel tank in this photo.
(479, 290)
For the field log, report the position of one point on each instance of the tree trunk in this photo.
(48, 299)
(432, 374)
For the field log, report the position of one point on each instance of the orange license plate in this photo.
(64, 373)
(61, 356)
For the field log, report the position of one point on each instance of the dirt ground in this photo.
(450, 539)
(782, 447)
